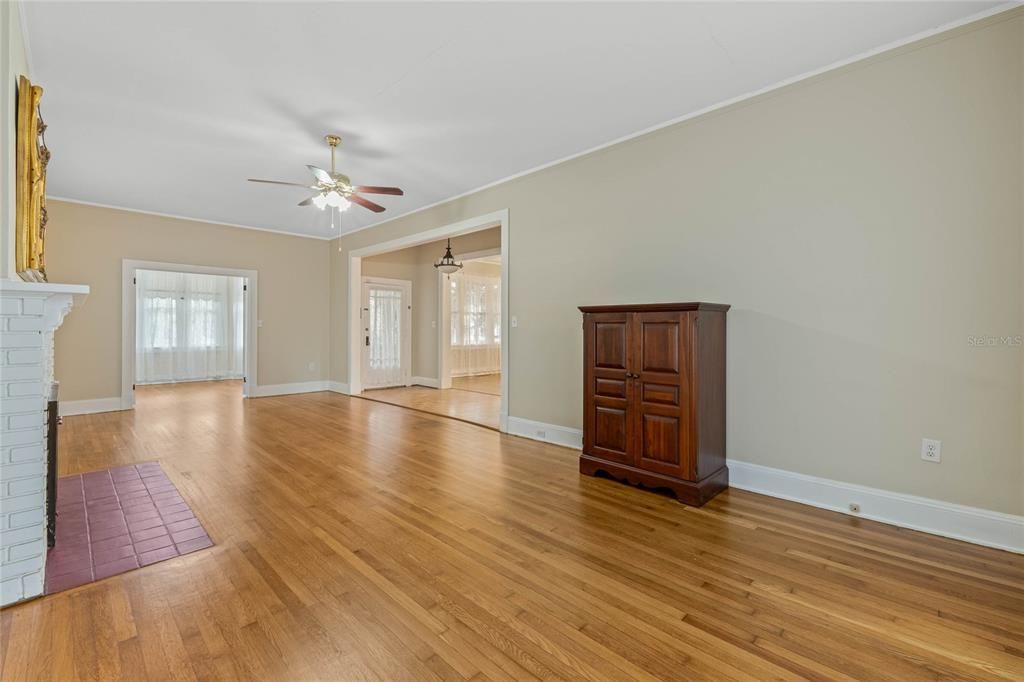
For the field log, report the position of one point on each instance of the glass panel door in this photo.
(384, 332)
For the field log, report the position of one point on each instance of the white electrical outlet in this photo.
(931, 450)
(515, 321)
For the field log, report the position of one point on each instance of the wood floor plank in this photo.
(360, 541)
(475, 402)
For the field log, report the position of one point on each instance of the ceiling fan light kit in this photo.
(335, 190)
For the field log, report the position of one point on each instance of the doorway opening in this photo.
(185, 327)
(457, 344)
(470, 335)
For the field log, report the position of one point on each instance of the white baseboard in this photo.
(69, 408)
(957, 521)
(424, 381)
(549, 433)
(978, 526)
(266, 390)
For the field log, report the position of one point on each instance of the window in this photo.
(205, 311)
(385, 320)
(475, 310)
(161, 309)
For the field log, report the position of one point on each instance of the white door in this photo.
(387, 344)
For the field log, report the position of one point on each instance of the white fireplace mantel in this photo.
(30, 312)
(12, 285)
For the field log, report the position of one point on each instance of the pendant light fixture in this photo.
(447, 264)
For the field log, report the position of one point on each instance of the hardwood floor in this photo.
(470, 406)
(359, 541)
(481, 383)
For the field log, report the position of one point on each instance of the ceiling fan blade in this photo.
(308, 201)
(321, 175)
(278, 182)
(365, 203)
(372, 189)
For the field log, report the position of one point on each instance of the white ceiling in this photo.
(169, 107)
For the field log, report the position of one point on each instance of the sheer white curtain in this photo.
(475, 324)
(385, 329)
(188, 327)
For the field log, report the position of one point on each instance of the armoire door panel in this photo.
(611, 433)
(663, 394)
(660, 439)
(610, 345)
(610, 388)
(659, 344)
(607, 430)
(663, 436)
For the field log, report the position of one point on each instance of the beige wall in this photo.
(86, 244)
(479, 269)
(863, 225)
(14, 64)
(416, 264)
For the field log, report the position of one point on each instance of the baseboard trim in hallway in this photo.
(70, 408)
(267, 390)
(337, 387)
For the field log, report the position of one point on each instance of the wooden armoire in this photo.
(654, 396)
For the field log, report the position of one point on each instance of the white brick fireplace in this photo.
(29, 314)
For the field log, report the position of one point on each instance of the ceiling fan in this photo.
(334, 189)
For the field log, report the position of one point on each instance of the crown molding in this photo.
(191, 219)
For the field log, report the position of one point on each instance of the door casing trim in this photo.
(128, 302)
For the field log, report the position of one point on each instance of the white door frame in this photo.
(406, 286)
(444, 337)
(128, 303)
(355, 257)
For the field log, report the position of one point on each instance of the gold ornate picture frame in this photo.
(30, 188)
